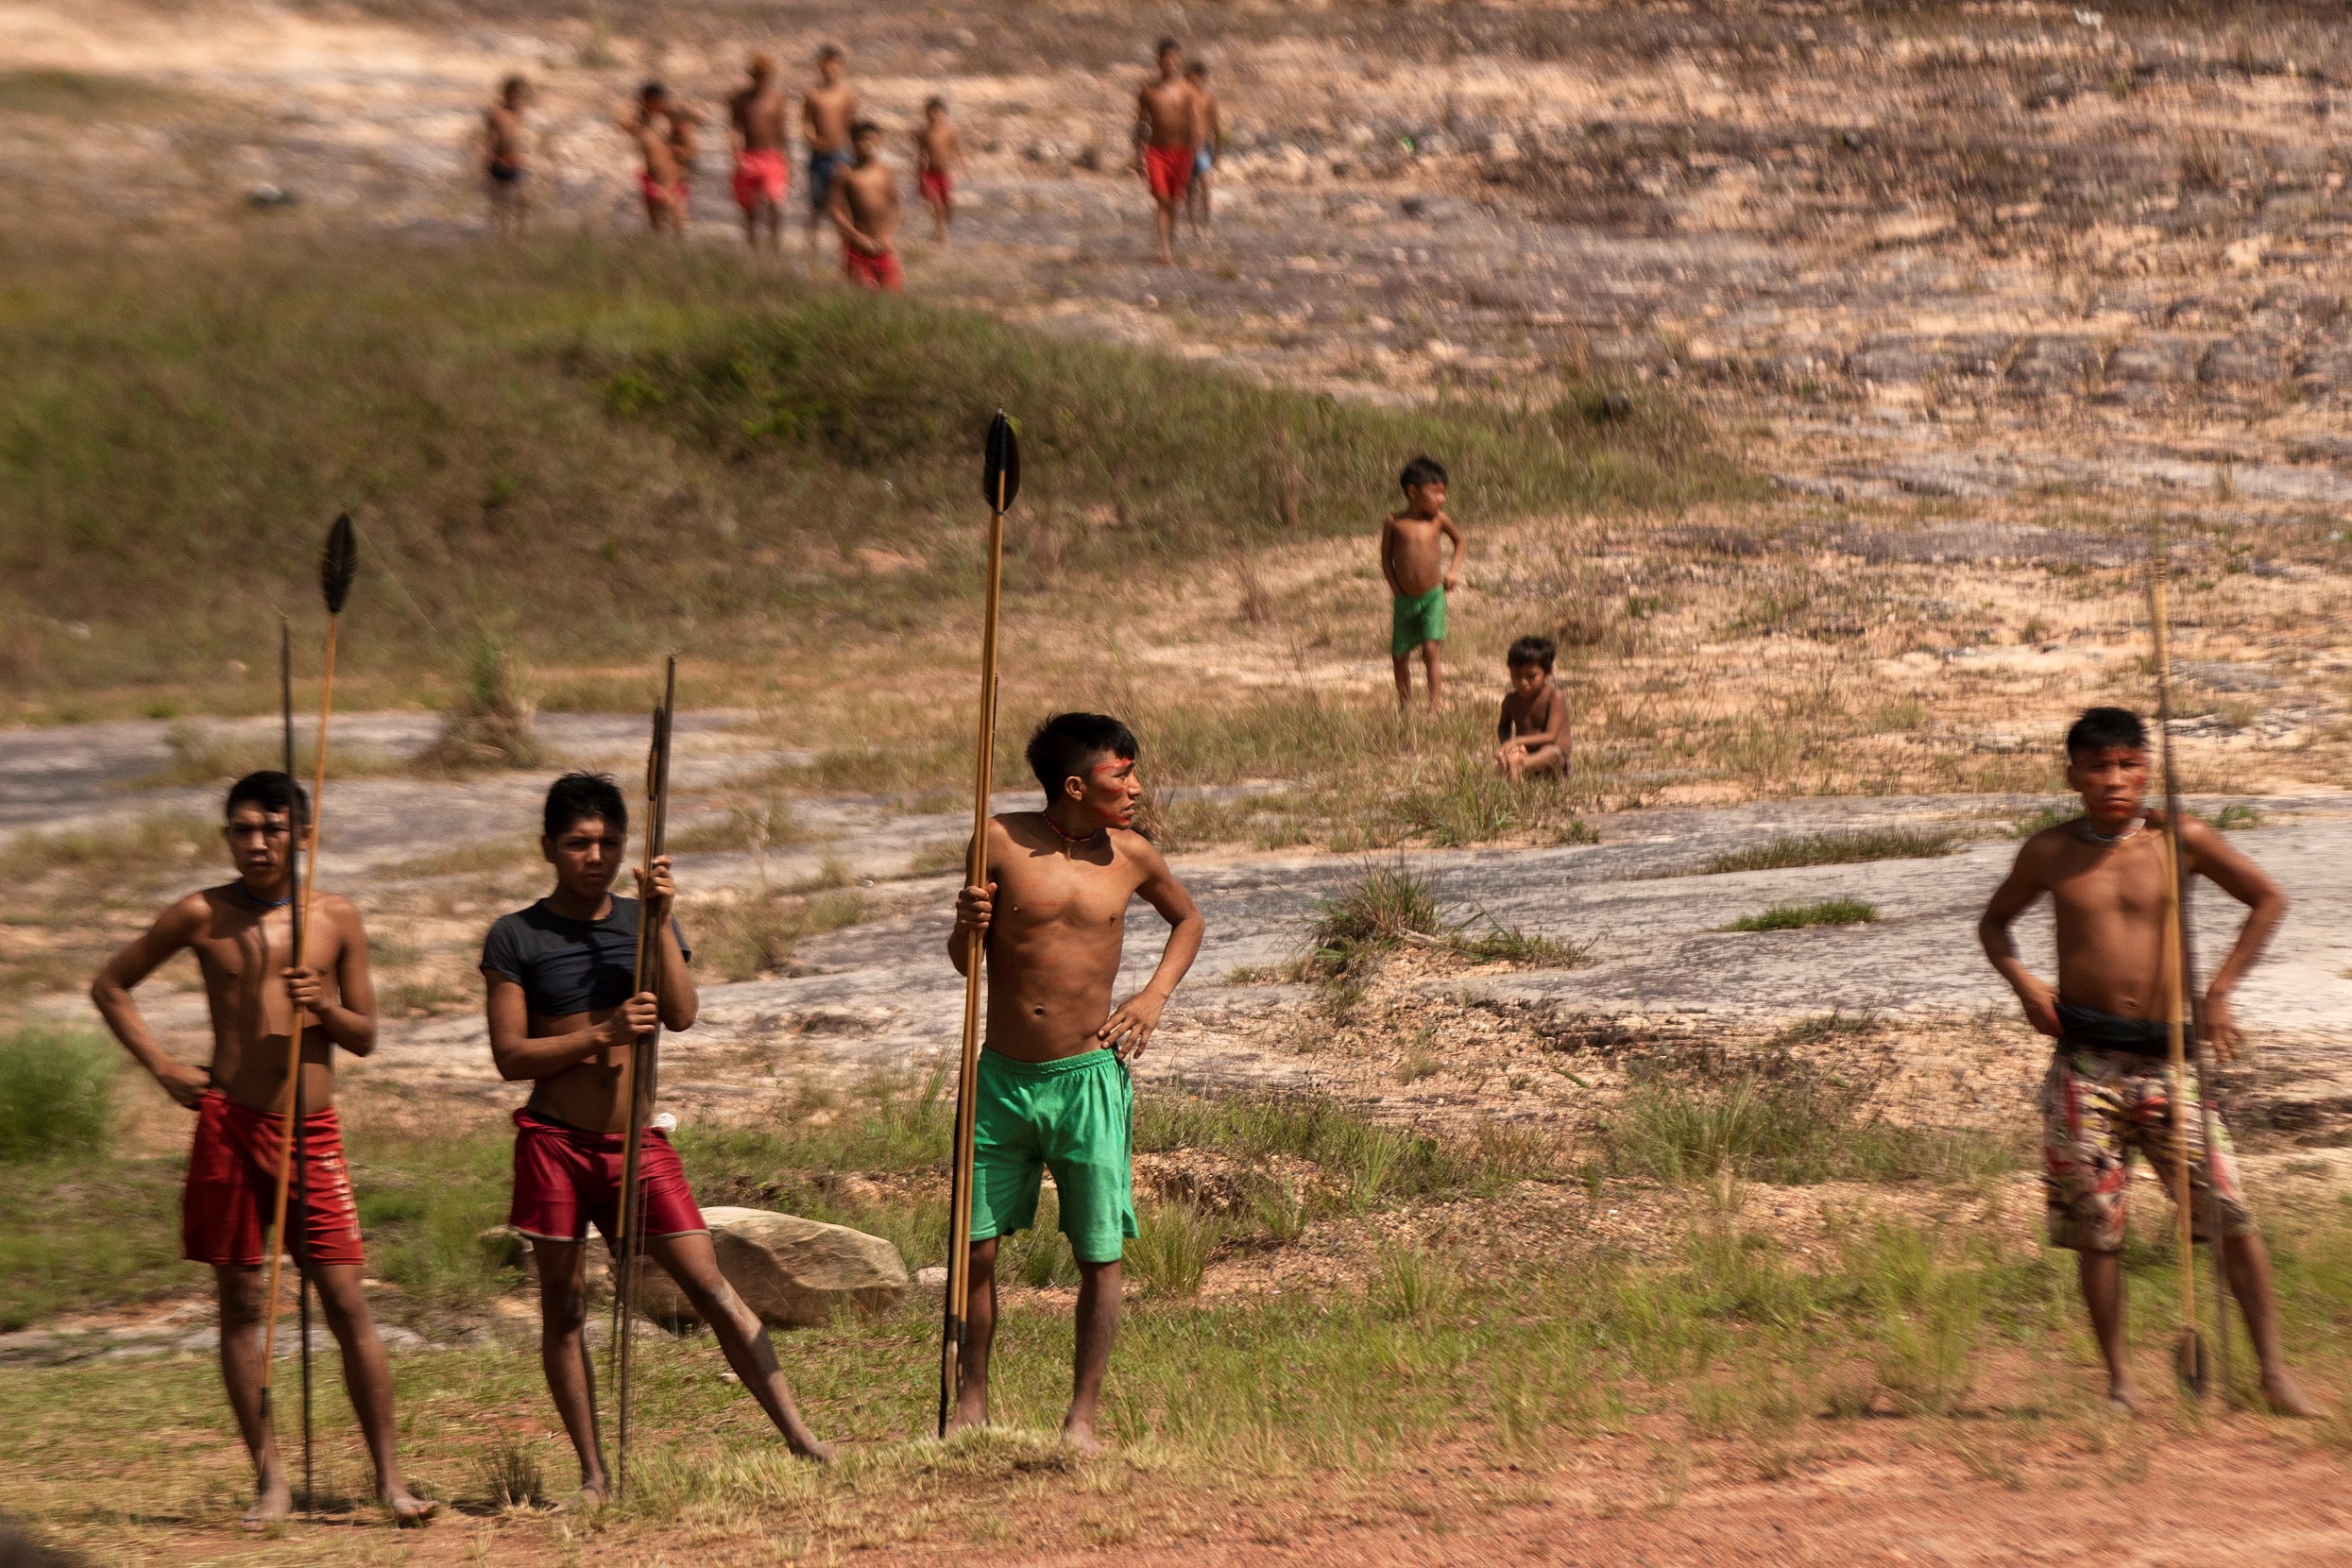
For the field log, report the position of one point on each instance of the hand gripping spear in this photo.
(2183, 1024)
(644, 1069)
(336, 567)
(1001, 482)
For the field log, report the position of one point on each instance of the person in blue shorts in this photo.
(1053, 1093)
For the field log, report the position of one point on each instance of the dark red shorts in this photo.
(565, 1178)
(869, 270)
(232, 1189)
(936, 186)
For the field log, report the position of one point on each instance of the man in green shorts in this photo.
(1412, 559)
(1053, 1090)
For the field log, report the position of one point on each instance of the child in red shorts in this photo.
(938, 154)
(864, 206)
(241, 933)
(562, 1014)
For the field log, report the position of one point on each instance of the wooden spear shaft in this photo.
(959, 1294)
(643, 1069)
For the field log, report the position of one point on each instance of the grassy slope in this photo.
(593, 450)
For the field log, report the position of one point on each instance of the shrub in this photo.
(56, 1094)
(1789, 918)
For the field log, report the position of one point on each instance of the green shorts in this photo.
(1070, 1117)
(1416, 621)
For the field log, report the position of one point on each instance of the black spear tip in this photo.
(338, 564)
(1001, 478)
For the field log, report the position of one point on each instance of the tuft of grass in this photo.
(509, 1475)
(56, 1094)
(754, 934)
(1171, 1249)
(1382, 908)
(1790, 917)
(1414, 1286)
(1884, 843)
(1528, 949)
(2235, 817)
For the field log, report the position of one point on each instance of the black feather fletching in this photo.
(338, 564)
(1001, 479)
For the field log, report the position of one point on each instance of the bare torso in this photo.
(935, 148)
(825, 116)
(505, 137)
(1170, 112)
(871, 194)
(1055, 942)
(1412, 552)
(759, 116)
(1523, 716)
(242, 953)
(2109, 905)
(593, 1093)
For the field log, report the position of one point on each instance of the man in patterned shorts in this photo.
(2108, 1095)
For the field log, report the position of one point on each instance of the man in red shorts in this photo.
(1168, 130)
(241, 933)
(562, 1016)
(756, 121)
(864, 207)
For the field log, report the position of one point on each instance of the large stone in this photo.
(794, 1272)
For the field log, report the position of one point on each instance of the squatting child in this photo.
(1531, 736)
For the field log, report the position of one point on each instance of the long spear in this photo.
(2185, 1025)
(1000, 484)
(337, 564)
(644, 1069)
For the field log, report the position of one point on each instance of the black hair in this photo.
(1531, 650)
(271, 790)
(2102, 727)
(1166, 45)
(830, 51)
(576, 797)
(935, 102)
(1064, 744)
(1197, 68)
(512, 85)
(652, 90)
(1422, 471)
(864, 128)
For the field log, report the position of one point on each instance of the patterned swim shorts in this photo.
(2099, 1107)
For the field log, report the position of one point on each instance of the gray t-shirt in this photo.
(566, 966)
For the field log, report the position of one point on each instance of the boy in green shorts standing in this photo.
(1053, 1090)
(1412, 559)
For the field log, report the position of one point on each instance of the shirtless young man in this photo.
(938, 158)
(1531, 733)
(1212, 149)
(1412, 559)
(562, 1018)
(864, 208)
(506, 155)
(1054, 1092)
(241, 933)
(762, 172)
(827, 113)
(664, 134)
(1167, 131)
(2107, 1094)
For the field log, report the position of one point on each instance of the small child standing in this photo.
(938, 155)
(1532, 733)
(1412, 559)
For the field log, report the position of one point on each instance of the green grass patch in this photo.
(1884, 843)
(56, 1094)
(1790, 917)
(664, 442)
(2055, 814)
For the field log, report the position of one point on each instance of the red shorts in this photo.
(565, 1178)
(760, 175)
(668, 196)
(1169, 170)
(872, 271)
(937, 188)
(232, 1187)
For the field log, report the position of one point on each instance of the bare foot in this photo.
(592, 1495)
(2280, 1393)
(2122, 1399)
(971, 1411)
(409, 1510)
(274, 1502)
(806, 1446)
(1080, 1435)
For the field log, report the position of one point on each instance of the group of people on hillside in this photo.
(1178, 139)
